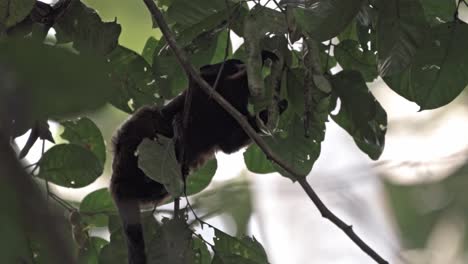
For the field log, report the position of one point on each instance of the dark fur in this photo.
(210, 129)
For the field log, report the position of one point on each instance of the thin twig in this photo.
(347, 229)
(244, 124)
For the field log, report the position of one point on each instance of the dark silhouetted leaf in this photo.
(83, 26)
(351, 57)
(49, 82)
(438, 12)
(133, 81)
(439, 72)
(14, 11)
(401, 30)
(360, 114)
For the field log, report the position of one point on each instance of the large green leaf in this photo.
(438, 12)
(360, 114)
(70, 165)
(324, 19)
(231, 250)
(133, 81)
(297, 150)
(351, 57)
(14, 11)
(256, 161)
(84, 27)
(199, 180)
(157, 159)
(96, 206)
(49, 82)
(401, 30)
(85, 133)
(439, 72)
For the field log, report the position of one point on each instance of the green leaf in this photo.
(256, 161)
(231, 250)
(438, 12)
(351, 57)
(89, 254)
(157, 159)
(49, 82)
(70, 165)
(291, 144)
(205, 49)
(85, 133)
(360, 114)
(349, 32)
(401, 30)
(296, 149)
(201, 178)
(439, 72)
(320, 20)
(84, 27)
(14, 11)
(188, 13)
(172, 244)
(197, 17)
(200, 249)
(133, 81)
(149, 49)
(96, 206)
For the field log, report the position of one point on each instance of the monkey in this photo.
(210, 129)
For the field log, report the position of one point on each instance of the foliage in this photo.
(417, 47)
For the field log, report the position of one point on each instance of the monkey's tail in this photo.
(130, 214)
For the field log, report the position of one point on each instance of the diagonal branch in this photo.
(184, 62)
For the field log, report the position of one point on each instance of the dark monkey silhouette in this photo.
(210, 129)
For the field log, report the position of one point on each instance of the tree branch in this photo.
(184, 62)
